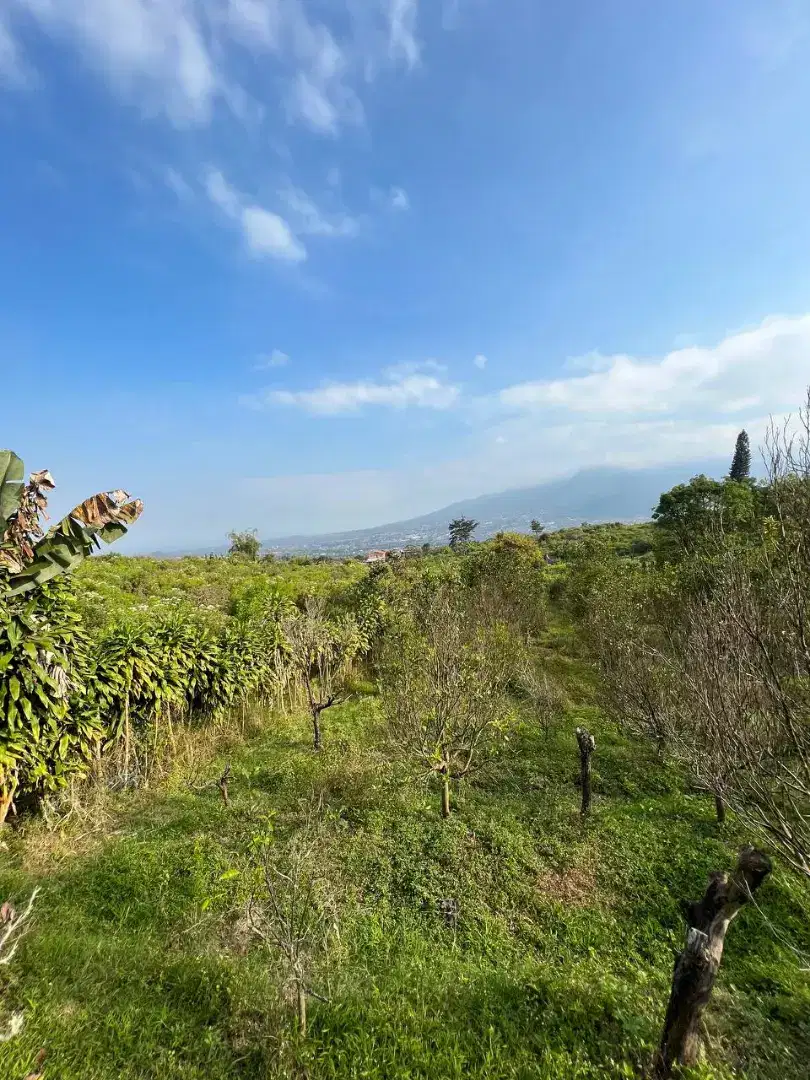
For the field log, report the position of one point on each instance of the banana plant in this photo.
(29, 556)
(42, 736)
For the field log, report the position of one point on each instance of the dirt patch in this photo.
(575, 886)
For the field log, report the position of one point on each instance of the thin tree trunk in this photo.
(445, 796)
(316, 729)
(6, 799)
(302, 1010)
(587, 744)
(720, 809)
(126, 740)
(697, 966)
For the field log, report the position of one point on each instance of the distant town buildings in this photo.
(376, 556)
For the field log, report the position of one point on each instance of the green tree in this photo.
(461, 530)
(689, 511)
(539, 530)
(246, 544)
(741, 464)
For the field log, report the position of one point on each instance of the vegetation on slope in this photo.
(219, 898)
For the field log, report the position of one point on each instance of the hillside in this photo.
(595, 495)
(142, 964)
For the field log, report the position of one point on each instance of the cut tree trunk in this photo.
(697, 966)
(587, 744)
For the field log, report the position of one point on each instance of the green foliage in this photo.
(28, 556)
(140, 963)
(690, 515)
(48, 729)
(461, 530)
(506, 576)
(246, 544)
(12, 481)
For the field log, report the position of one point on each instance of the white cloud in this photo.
(264, 232)
(766, 368)
(414, 367)
(269, 234)
(257, 23)
(154, 52)
(222, 194)
(11, 68)
(179, 57)
(399, 199)
(311, 221)
(177, 183)
(275, 359)
(402, 43)
(480, 361)
(333, 399)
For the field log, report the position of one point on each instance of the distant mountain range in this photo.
(594, 495)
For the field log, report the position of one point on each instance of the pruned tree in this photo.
(444, 689)
(319, 650)
(696, 967)
(287, 913)
(741, 462)
(623, 635)
(461, 530)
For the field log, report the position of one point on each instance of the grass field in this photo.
(142, 964)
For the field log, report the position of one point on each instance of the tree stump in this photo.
(697, 966)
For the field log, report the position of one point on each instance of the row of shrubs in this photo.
(84, 677)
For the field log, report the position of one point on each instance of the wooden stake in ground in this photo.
(587, 745)
(697, 966)
(223, 782)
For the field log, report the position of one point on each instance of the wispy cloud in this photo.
(155, 53)
(480, 361)
(265, 233)
(402, 43)
(180, 57)
(399, 199)
(275, 359)
(177, 183)
(310, 220)
(334, 399)
(11, 68)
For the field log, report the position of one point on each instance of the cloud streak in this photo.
(181, 57)
(407, 390)
(265, 233)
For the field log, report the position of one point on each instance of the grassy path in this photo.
(141, 963)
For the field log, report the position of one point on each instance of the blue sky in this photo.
(315, 264)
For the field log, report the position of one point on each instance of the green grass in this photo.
(140, 964)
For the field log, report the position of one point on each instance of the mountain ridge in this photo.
(598, 494)
(603, 493)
